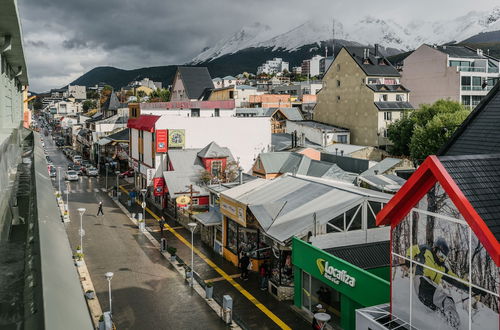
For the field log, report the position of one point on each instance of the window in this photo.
(231, 95)
(217, 113)
(476, 81)
(382, 98)
(216, 167)
(338, 83)
(384, 132)
(400, 97)
(195, 112)
(342, 138)
(387, 115)
(338, 98)
(232, 236)
(466, 81)
(350, 220)
(466, 99)
(372, 81)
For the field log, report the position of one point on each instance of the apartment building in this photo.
(363, 93)
(312, 66)
(276, 65)
(458, 73)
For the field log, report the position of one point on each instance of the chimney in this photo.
(376, 50)
(240, 175)
(342, 152)
(479, 52)
(376, 172)
(336, 150)
(302, 139)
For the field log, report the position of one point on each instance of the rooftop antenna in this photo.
(333, 37)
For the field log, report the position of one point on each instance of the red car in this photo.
(128, 174)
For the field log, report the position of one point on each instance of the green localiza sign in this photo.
(357, 284)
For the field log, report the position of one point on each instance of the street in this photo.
(147, 293)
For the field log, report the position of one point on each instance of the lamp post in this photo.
(143, 192)
(59, 178)
(81, 210)
(107, 164)
(109, 276)
(192, 227)
(67, 196)
(117, 174)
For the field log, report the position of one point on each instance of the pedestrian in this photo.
(162, 224)
(264, 274)
(100, 209)
(318, 309)
(244, 263)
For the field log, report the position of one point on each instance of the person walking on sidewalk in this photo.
(264, 274)
(162, 224)
(99, 210)
(244, 263)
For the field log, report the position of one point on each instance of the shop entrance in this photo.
(315, 292)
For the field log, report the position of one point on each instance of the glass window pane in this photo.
(306, 291)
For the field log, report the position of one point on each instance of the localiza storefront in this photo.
(338, 285)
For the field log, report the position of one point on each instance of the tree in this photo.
(160, 95)
(422, 132)
(92, 95)
(88, 105)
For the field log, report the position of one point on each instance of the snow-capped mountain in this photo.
(368, 30)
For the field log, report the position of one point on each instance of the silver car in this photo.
(92, 171)
(71, 176)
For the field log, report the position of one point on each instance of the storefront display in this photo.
(340, 286)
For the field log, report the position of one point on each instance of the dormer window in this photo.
(216, 167)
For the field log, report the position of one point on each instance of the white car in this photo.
(71, 176)
(92, 171)
(77, 159)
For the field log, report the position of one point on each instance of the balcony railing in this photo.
(474, 69)
(476, 88)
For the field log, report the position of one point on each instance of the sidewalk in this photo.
(246, 309)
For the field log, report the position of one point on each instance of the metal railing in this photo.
(476, 88)
(476, 69)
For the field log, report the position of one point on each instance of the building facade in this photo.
(274, 66)
(457, 73)
(362, 92)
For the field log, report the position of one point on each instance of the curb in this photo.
(196, 286)
(93, 304)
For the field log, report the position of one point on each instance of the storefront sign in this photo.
(182, 201)
(176, 138)
(333, 274)
(233, 210)
(161, 140)
(158, 184)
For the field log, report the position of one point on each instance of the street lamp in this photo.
(59, 178)
(81, 210)
(109, 276)
(117, 174)
(67, 196)
(192, 227)
(107, 164)
(143, 192)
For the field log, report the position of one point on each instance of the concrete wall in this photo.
(355, 109)
(427, 75)
(315, 135)
(246, 137)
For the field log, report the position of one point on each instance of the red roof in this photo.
(143, 123)
(424, 178)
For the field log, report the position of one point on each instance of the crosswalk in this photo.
(81, 190)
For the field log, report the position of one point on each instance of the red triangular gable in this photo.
(430, 172)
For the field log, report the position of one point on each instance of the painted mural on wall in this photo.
(442, 277)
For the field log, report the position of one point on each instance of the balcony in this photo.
(474, 69)
(477, 88)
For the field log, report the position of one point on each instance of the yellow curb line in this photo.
(227, 277)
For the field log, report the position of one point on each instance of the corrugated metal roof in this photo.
(210, 218)
(364, 256)
(273, 161)
(383, 166)
(292, 113)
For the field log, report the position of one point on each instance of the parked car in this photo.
(77, 159)
(128, 174)
(52, 172)
(71, 176)
(70, 166)
(48, 159)
(92, 171)
(77, 169)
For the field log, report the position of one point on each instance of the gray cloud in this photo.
(79, 35)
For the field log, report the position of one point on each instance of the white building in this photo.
(274, 66)
(311, 67)
(190, 109)
(63, 108)
(319, 133)
(245, 137)
(77, 92)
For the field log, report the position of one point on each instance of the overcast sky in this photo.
(63, 39)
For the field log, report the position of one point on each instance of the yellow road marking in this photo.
(226, 276)
(217, 279)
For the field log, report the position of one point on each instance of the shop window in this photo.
(281, 268)
(306, 291)
(247, 241)
(232, 236)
